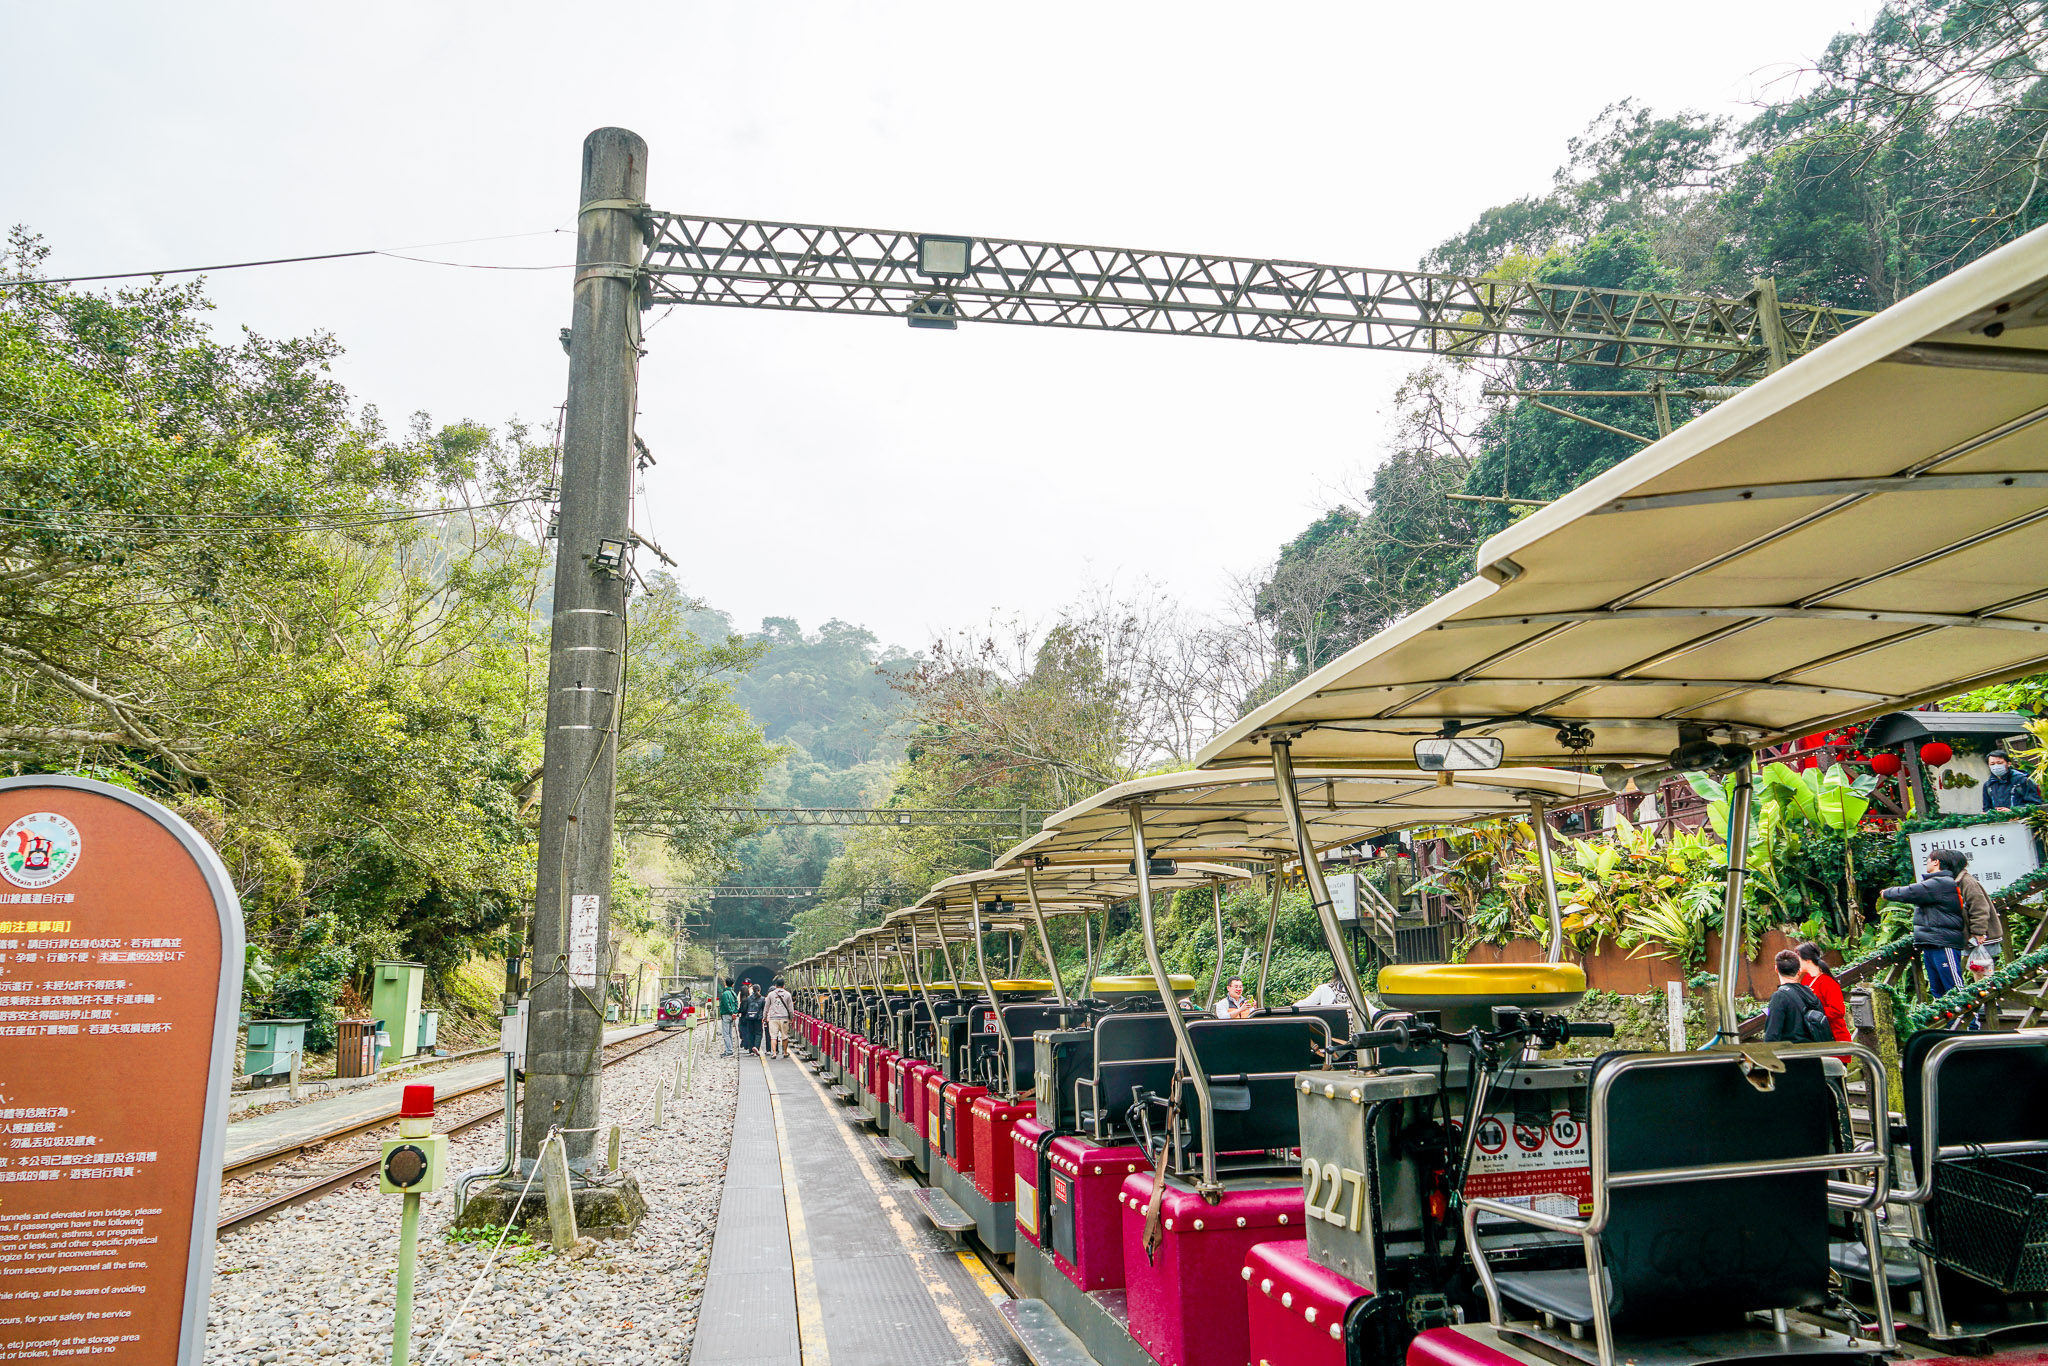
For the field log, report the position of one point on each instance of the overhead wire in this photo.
(394, 253)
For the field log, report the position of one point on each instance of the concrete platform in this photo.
(819, 1245)
(281, 1130)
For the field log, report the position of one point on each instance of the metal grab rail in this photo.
(1867, 1202)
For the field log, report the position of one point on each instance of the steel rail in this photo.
(333, 1181)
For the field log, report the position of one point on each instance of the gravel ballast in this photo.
(314, 1283)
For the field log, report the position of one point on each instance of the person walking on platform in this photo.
(751, 1008)
(778, 1010)
(728, 1013)
(1940, 930)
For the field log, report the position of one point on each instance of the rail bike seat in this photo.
(1337, 1019)
(1681, 1244)
(1977, 1132)
(1024, 1020)
(1250, 1065)
(1987, 1088)
(1133, 1052)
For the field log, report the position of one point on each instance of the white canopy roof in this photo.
(1237, 815)
(1865, 530)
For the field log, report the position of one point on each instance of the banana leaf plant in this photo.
(1786, 801)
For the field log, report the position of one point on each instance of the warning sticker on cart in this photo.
(1541, 1166)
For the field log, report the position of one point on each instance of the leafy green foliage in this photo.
(323, 643)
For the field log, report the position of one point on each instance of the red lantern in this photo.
(1886, 764)
(1936, 753)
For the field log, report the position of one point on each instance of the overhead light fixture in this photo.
(934, 310)
(1155, 867)
(610, 558)
(942, 257)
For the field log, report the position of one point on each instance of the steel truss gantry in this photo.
(747, 263)
(974, 818)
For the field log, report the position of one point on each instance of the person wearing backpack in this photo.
(752, 1008)
(728, 1013)
(1795, 1014)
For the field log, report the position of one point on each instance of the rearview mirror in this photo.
(1458, 754)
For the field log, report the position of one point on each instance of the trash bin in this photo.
(355, 1050)
(430, 1030)
(272, 1046)
(611, 1012)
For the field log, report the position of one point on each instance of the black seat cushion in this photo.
(1853, 1263)
(1693, 1252)
(1567, 1295)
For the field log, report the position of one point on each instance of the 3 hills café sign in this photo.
(120, 978)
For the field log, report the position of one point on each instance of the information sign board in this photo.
(1532, 1161)
(120, 982)
(1999, 852)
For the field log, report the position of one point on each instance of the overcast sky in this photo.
(819, 466)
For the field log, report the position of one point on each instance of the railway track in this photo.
(357, 1170)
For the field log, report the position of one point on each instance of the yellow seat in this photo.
(1131, 986)
(1462, 987)
(1006, 985)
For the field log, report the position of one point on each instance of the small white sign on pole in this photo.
(583, 924)
(1999, 853)
(1344, 895)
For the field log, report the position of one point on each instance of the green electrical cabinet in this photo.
(272, 1046)
(395, 1000)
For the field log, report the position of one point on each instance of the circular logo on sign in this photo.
(39, 849)
(1530, 1137)
(1564, 1130)
(1492, 1135)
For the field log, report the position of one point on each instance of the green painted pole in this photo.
(408, 1247)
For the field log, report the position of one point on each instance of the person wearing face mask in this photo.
(2007, 789)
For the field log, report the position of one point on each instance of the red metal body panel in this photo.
(995, 1170)
(1452, 1347)
(959, 1098)
(1187, 1303)
(1024, 1162)
(879, 1059)
(917, 1093)
(857, 1064)
(1097, 1174)
(934, 1097)
(1295, 1306)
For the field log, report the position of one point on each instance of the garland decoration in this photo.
(1967, 999)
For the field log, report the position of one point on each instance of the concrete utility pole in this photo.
(586, 655)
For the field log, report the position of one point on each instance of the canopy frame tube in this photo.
(1052, 968)
(1318, 889)
(1726, 1024)
(1216, 974)
(988, 984)
(1277, 884)
(1547, 861)
(1184, 1042)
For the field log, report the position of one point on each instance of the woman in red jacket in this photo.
(1820, 979)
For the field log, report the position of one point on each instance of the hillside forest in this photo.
(321, 635)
